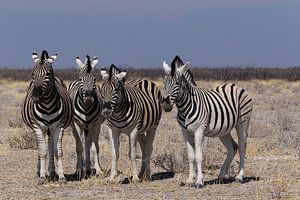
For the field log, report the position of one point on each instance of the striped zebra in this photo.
(134, 109)
(211, 113)
(84, 94)
(47, 109)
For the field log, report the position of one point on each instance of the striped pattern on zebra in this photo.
(212, 113)
(134, 109)
(85, 96)
(47, 109)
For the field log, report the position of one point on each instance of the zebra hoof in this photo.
(135, 180)
(78, 174)
(53, 176)
(199, 185)
(239, 180)
(62, 181)
(42, 180)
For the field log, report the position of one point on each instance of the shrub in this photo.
(24, 140)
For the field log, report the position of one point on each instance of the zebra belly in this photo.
(218, 130)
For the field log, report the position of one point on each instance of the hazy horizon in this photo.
(132, 33)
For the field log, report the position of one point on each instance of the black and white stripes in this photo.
(47, 109)
(212, 113)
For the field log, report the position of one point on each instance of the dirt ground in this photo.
(272, 167)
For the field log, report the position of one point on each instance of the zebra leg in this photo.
(148, 148)
(87, 153)
(77, 132)
(59, 132)
(114, 138)
(198, 156)
(51, 166)
(242, 139)
(231, 147)
(132, 143)
(189, 140)
(42, 151)
(95, 148)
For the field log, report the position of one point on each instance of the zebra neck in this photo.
(123, 103)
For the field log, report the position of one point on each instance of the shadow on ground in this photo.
(154, 177)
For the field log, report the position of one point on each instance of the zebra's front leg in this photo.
(51, 166)
(189, 140)
(114, 138)
(132, 143)
(198, 156)
(77, 132)
(59, 132)
(87, 150)
(42, 154)
(95, 148)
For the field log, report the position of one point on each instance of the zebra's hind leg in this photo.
(242, 141)
(77, 132)
(42, 151)
(231, 147)
(147, 149)
(189, 140)
(59, 132)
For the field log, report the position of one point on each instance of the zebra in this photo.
(134, 109)
(47, 109)
(211, 113)
(85, 96)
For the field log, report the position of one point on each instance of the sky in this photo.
(135, 33)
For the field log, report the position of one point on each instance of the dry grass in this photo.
(272, 164)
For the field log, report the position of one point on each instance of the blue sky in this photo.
(144, 33)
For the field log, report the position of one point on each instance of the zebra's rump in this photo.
(58, 109)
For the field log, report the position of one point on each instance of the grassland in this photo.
(272, 162)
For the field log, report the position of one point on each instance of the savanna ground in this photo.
(272, 166)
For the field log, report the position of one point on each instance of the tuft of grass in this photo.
(23, 140)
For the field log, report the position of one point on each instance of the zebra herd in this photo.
(134, 108)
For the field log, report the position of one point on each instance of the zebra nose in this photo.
(107, 105)
(166, 99)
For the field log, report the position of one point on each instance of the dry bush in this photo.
(23, 140)
(172, 161)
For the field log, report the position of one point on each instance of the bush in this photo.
(24, 140)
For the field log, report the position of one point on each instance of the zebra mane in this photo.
(113, 71)
(88, 64)
(44, 56)
(188, 75)
(177, 62)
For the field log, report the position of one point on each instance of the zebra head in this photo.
(171, 82)
(87, 80)
(111, 89)
(42, 75)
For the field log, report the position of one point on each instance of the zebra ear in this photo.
(183, 68)
(94, 62)
(121, 75)
(35, 57)
(78, 62)
(166, 67)
(52, 59)
(104, 74)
